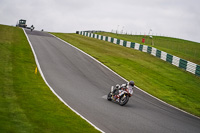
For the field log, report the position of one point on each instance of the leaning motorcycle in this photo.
(123, 96)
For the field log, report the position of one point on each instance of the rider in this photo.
(129, 86)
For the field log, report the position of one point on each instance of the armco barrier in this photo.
(181, 63)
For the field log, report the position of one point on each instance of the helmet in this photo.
(131, 83)
(117, 86)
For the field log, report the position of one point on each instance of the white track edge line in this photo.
(39, 68)
(127, 80)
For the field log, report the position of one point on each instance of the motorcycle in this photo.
(124, 95)
(32, 27)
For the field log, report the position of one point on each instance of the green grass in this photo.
(157, 77)
(184, 49)
(26, 103)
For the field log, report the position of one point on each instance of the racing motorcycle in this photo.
(123, 93)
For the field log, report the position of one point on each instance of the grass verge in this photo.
(157, 77)
(184, 49)
(26, 103)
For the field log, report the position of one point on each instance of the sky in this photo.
(173, 18)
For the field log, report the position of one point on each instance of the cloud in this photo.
(176, 18)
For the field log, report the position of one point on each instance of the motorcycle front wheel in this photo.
(123, 100)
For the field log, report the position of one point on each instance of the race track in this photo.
(83, 83)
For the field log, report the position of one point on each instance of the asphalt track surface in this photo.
(83, 83)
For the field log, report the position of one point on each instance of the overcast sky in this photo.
(175, 18)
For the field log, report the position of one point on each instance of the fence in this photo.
(181, 63)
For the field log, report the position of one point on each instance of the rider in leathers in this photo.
(129, 86)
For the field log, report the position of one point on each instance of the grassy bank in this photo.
(182, 48)
(153, 75)
(26, 103)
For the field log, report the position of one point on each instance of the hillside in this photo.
(182, 48)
